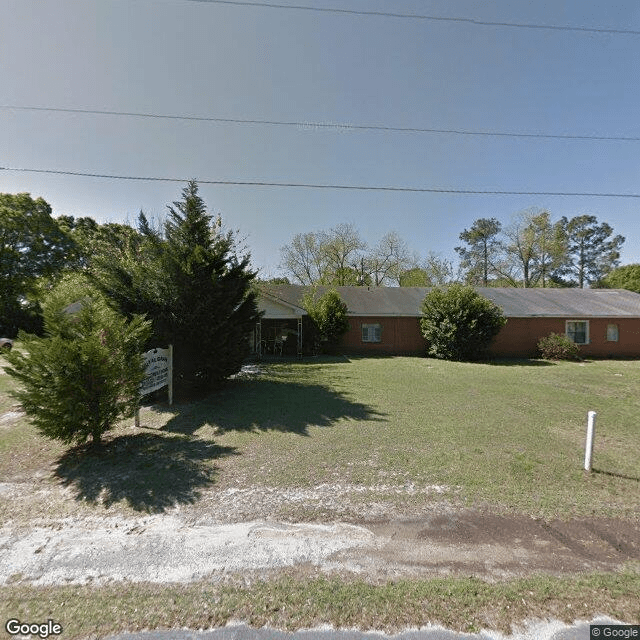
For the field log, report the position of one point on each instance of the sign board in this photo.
(158, 366)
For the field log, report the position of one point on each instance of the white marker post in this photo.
(588, 450)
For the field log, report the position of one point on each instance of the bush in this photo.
(558, 347)
(459, 323)
(329, 315)
(84, 374)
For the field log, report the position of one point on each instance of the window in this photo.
(612, 333)
(578, 331)
(371, 333)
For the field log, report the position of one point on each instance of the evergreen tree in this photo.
(478, 257)
(84, 374)
(190, 282)
(32, 246)
(593, 252)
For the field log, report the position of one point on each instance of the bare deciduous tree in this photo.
(341, 248)
(389, 259)
(303, 258)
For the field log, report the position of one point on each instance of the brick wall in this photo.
(518, 338)
(398, 336)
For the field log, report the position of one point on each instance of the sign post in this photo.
(170, 383)
(158, 368)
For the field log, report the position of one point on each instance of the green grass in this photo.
(508, 434)
(291, 602)
(6, 402)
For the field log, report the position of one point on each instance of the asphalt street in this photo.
(554, 630)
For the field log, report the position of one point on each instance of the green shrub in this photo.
(84, 374)
(556, 346)
(459, 323)
(329, 315)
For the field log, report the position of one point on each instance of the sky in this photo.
(327, 73)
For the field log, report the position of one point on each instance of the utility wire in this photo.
(326, 126)
(414, 16)
(302, 185)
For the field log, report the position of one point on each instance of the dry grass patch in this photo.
(289, 603)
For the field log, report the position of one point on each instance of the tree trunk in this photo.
(96, 438)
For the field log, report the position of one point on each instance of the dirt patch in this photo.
(180, 548)
(490, 546)
(323, 502)
(163, 549)
(36, 501)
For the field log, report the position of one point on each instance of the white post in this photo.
(588, 451)
(170, 386)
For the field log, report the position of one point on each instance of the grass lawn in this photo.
(507, 434)
(511, 433)
(464, 604)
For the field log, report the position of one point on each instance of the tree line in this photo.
(340, 257)
(531, 251)
(535, 251)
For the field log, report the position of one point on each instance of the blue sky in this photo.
(198, 58)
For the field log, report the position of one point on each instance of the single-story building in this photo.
(604, 322)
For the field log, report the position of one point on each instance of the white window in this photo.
(612, 333)
(371, 333)
(578, 331)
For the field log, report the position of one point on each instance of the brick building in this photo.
(604, 322)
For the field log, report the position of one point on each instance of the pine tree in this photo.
(478, 257)
(593, 250)
(84, 374)
(190, 282)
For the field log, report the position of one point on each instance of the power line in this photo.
(414, 16)
(326, 126)
(302, 185)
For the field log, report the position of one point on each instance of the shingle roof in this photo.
(515, 303)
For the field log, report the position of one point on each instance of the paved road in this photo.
(540, 631)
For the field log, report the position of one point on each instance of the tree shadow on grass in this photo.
(519, 362)
(151, 472)
(262, 404)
